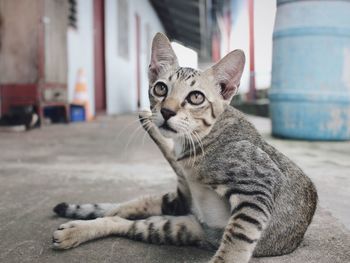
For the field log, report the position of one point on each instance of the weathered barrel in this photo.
(310, 88)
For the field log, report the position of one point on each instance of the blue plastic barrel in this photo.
(310, 89)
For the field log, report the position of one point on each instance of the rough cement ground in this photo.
(98, 162)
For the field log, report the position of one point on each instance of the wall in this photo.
(264, 16)
(240, 37)
(55, 41)
(120, 72)
(121, 85)
(80, 50)
(186, 57)
(18, 62)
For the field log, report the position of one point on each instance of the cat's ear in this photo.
(228, 72)
(163, 57)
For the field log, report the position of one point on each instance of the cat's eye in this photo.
(195, 97)
(160, 89)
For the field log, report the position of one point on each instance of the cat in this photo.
(20, 116)
(236, 194)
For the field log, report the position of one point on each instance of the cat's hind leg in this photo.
(174, 230)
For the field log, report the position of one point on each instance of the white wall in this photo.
(264, 16)
(81, 50)
(264, 21)
(240, 37)
(120, 72)
(186, 57)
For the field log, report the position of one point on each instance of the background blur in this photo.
(95, 54)
(45, 43)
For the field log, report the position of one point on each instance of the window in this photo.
(72, 14)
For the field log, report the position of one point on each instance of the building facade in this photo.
(128, 26)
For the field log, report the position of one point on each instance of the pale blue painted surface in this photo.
(310, 89)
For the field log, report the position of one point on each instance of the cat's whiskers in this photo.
(187, 146)
(183, 143)
(190, 149)
(194, 136)
(191, 136)
(194, 148)
(195, 151)
(146, 132)
(199, 141)
(128, 126)
(183, 126)
(144, 136)
(132, 136)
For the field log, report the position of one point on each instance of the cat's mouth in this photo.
(166, 127)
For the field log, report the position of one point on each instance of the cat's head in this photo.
(185, 101)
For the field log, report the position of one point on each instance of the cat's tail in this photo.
(83, 211)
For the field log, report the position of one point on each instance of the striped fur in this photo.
(170, 230)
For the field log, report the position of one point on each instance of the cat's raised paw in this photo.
(145, 115)
(145, 118)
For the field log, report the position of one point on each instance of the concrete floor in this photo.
(103, 161)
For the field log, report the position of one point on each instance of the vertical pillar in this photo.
(252, 88)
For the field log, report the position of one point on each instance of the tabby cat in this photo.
(235, 194)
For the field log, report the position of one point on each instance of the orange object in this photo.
(81, 96)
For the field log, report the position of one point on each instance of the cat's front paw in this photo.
(145, 119)
(70, 234)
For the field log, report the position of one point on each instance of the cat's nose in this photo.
(167, 114)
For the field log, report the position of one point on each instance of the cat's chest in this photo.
(207, 205)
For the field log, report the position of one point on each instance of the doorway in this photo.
(138, 60)
(99, 56)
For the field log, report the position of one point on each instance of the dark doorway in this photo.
(99, 56)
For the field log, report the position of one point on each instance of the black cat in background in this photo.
(20, 115)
